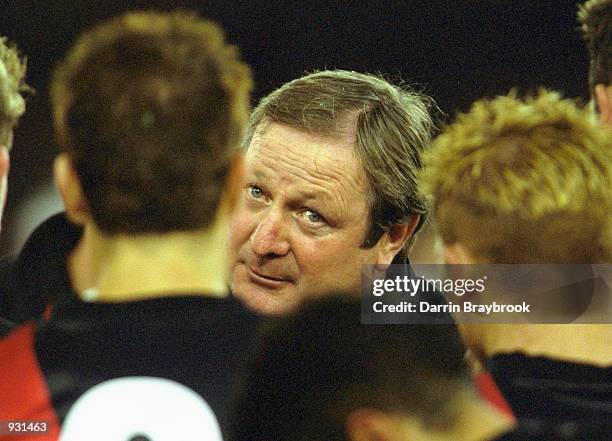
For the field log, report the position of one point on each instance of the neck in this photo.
(472, 420)
(478, 421)
(577, 343)
(125, 267)
(571, 342)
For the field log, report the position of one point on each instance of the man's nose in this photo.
(270, 236)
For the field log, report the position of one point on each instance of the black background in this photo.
(456, 51)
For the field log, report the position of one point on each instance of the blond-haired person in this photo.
(12, 106)
(521, 182)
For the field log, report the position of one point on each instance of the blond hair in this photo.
(12, 75)
(524, 181)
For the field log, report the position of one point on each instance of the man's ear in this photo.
(69, 187)
(366, 424)
(603, 98)
(234, 182)
(394, 240)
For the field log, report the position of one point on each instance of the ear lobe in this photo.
(603, 97)
(394, 240)
(69, 187)
(366, 424)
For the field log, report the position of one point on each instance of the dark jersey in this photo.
(534, 430)
(192, 340)
(38, 278)
(541, 388)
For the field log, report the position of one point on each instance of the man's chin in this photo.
(266, 301)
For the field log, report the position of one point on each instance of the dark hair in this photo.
(148, 106)
(392, 126)
(595, 17)
(311, 369)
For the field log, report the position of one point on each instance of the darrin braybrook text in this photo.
(466, 307)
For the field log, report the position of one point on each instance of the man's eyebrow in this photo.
(300, 196)
(256, 172)
(313, 194)
(324, 200)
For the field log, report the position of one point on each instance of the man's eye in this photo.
(312, 216)
(255, 191)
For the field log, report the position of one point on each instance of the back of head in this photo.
(311, 369)
(148, 106)
(12, 105)
(524, 181)
(595, 17)
(390, 125)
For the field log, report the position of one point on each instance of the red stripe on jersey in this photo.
(23, 389)
(48, 311)
(489, 391)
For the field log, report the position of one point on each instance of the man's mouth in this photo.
(267, 280)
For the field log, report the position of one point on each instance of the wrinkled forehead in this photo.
(342, 126)
(296, 156)
(277, 140)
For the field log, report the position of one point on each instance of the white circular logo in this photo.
(140, 409)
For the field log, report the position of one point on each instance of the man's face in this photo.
(300, 221)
